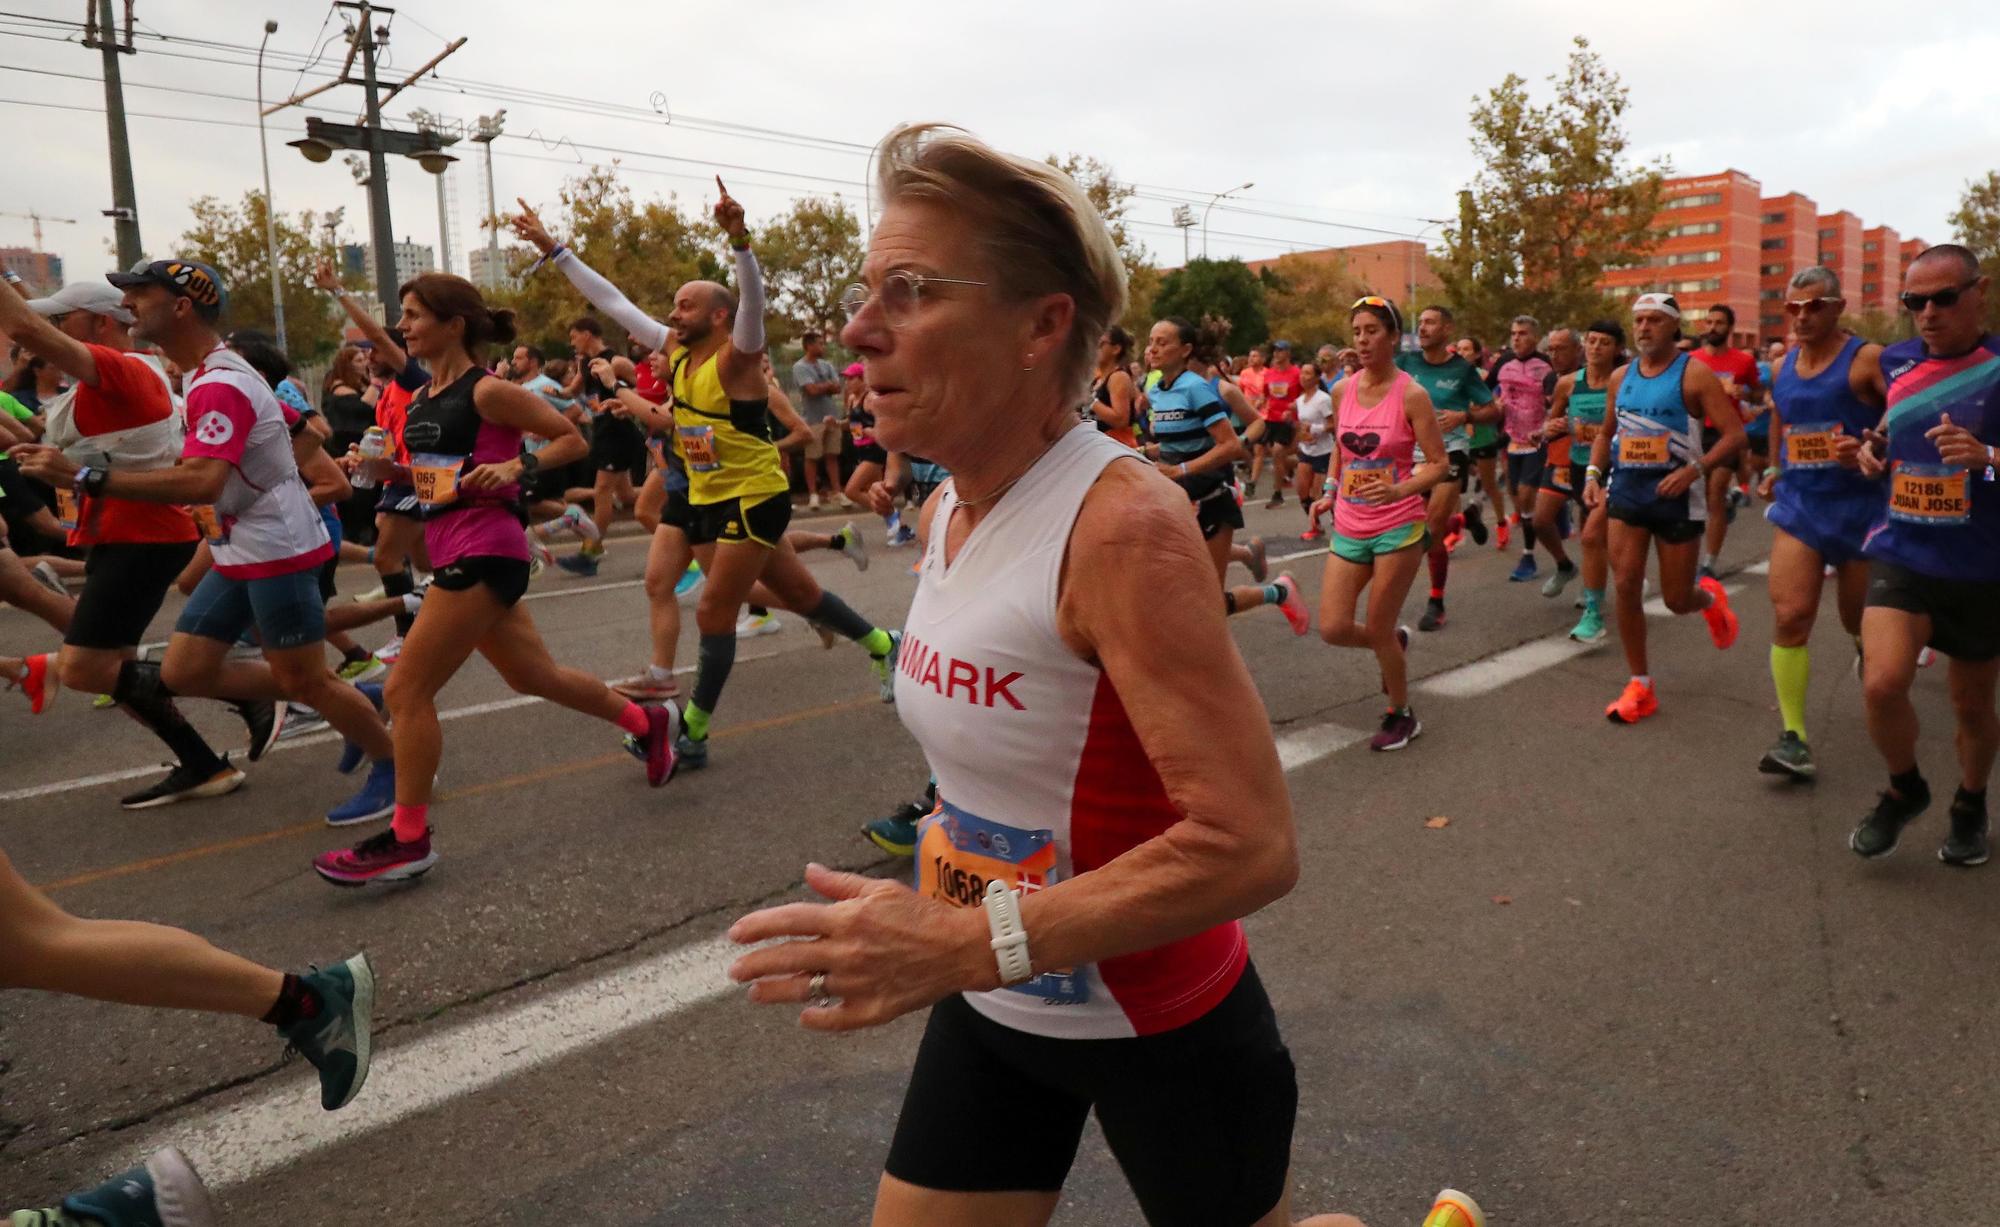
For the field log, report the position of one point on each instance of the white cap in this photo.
(1665, 304)
(96, 297)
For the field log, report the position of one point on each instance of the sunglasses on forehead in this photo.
(1915, 303)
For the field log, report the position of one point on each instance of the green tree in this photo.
(232, 238)
(1113, 200)
(1879, 326)
(1555, 203)
(1976, 223)
(1308, 300)
(809, 256)
(1223, 296)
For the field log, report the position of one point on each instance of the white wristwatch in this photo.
(1010, 936)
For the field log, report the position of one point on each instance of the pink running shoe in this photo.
(379, 858)
(1294, 605)
(663, 725)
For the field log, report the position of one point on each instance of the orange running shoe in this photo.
(34, 682)
(1635, 704)
(1501, 534)
(1451, 541)
(1721, 618)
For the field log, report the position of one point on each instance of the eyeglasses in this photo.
(898, 295)
(1806, 306)
(1915, 303)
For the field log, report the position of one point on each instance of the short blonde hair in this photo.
(1040, 233)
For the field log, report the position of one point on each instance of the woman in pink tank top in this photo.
(1378, 508)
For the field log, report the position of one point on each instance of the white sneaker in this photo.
(750, 625)
(812, 504)
(853, 546)
(389, 652)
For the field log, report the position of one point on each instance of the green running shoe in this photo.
(896, 834)
(1789, 757)
(337, 1040)
(1590, 627)
(163, 1192)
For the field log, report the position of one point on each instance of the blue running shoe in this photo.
(351, 754)
(689, 754)
(377, 798)
(162, 1192)
(896, 834)
(579, 563)
(689, 584)
(1524, 570)
(338, 1039)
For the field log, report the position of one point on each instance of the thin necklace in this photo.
(1011, 482)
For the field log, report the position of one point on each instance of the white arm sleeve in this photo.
(748, 334)
(609, 299)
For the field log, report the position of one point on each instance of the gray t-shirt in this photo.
(816, 409)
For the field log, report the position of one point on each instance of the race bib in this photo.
(1585, 433)
(435, 477)
(1935, 495)
(1644, 450)
(1277, 390)
(1809, 445)
(210, 524)
(958, 853)
(698, 445)
(66, 508)
(1516, 447)
(1361, 474)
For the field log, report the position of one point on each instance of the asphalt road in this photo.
(1631, 981)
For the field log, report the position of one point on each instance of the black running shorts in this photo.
(123, 585)
(1964, 614)
(507, 577)
(761, 521)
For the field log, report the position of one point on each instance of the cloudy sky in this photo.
(1348, 119)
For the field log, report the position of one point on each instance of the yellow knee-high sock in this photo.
(1791, 668)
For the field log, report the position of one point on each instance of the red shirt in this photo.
(1736, 369)
(1281, 393)
(129, 392)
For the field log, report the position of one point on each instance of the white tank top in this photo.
(1040, 775)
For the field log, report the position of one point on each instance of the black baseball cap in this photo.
(191, 279)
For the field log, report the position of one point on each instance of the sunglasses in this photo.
(1372, 300)
(1915, 303)
(1806, 306)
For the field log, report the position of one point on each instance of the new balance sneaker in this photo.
(1475, 523)
(688, 586)
(751, 625)
(1590, 627)
(582, 563)
(1433, 618)
(351, 752)
(337, 1039)
(1966, 845)
(896, 834)
(266, 721)
(1876, 835)
(1260, 561)
(1720, 617)
(690, 754)
(1524, 570)
(1294, 605)
(1400, 727)
(164, 1191)
(379, 858)
(185, 783)
(367, 669)
(375, 801)
(1789, 756)
(884, 666)
(1633, 704)
(850, 543)
(1564, 576)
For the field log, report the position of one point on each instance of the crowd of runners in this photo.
(990, 402)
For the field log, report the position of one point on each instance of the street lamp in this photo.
(270, 210)
(1241, 187)
(489, 128)
(1411, 301)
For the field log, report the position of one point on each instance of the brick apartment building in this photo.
(1397, 268)
(42, 271)
(1723, 241)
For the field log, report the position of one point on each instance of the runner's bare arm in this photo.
(1864, 376)
(510, 404)
(1228, 450)
(796, 430)
(1719, 407)
(392, 354)
(33, 332)
(1118, 415)
(195, 479)
(1239, 404)
(324, 479)
(1430, 441)
(1557, 423)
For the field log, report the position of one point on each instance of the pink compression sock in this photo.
(633, 720)
(410, 822)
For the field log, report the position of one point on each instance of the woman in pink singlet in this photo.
(1378, 508)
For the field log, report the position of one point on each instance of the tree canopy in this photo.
(232, 238)
(1222, 296)
(1976, 223)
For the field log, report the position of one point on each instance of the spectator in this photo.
(818, 383)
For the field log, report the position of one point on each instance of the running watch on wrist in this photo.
(529, 463)
(1010, 937)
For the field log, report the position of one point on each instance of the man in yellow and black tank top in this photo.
(739, 492)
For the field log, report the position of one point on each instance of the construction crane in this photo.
(38, 219)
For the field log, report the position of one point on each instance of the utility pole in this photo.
(378, 169)
(489, 128)
(270, 206)
(124, 210)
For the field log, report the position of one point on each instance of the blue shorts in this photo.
(1832, 528)
(1525, 468)
(286, 610)
(1318, 464)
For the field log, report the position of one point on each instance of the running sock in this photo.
(1527, 535)
(295, 1001)
(659, 673)
(1707, 561)
(410, 822)
(694, 719)
(839, 617)
(1910, 786)
(1791, 668)
(1273, 594)
(878, 642)
(758, 611)
(1593, 598)
(401, 583)
(1644, 679)
(1440, 563)
(142, 692)
(1965, 798)
(633, 720)
(716, 657)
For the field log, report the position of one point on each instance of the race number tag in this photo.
(1648, 449)
(958, 853)
(66, 509)
(1809, 445)
(698, 445)
(1519, 447)
(1277, 389)
(1362, 474)
(210, 524)
(435, 477)
(1936, 495)
(1585, 433)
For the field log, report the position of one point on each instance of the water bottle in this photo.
(374, 445)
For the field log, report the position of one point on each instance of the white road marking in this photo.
(1761, 567)
(1308, 745)
(1483, 676)
(610, 587)
(1313, 553)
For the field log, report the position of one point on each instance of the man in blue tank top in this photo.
(1934, 549)
(1827, 390)
(1649, 473)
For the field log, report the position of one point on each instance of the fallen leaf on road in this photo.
(1438, 823)
(1503, 900)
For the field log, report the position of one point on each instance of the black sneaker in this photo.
(1966, 845)
(265, 721)
(1475, 523)
(1878, 832)
(1790, 757)
(1433, 615)
(185, 783)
